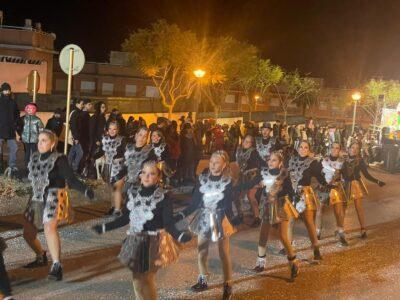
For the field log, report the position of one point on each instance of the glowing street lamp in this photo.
(256, 97)
(199, 73)
(356, 96)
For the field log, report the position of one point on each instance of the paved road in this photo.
(368, 269)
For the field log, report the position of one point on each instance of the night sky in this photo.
(344, 41)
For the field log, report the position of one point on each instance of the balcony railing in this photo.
(31, 29)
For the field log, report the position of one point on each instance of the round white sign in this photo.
(78, 61)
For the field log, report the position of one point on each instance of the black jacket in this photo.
(9, 117)
(55, 125)
(97, 128)
(85, 127)
(76, 124)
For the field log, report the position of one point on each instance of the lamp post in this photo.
(356, 96)
(256, 98)
(199, 73)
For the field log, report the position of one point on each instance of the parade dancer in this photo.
(212, 201)
(162, 152)
(150, 238)
(353, 166)
(113, 173)
(276, 209)
(301, 169)
(5, 288)
(135, 155)
(331, 167)
(266, 144)
(249, 163)
(48, 173)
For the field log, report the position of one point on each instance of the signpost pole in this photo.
(71, 65)
(34, 86)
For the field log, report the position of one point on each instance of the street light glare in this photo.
(356, 96)
(257, 97)
(199, 73)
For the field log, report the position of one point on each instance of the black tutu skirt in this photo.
(143, 252)
(213, 225)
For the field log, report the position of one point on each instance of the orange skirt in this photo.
(312, 201)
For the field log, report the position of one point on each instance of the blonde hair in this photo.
(51, 136)
(152, 164)
(278, 154)
(225, 156)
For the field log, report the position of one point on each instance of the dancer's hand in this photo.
(185, 237)
(381, 183)
(89, 193)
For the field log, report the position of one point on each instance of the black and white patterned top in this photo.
(39, 169)
(302, 169)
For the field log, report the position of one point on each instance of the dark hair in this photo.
(113, 123)
(86, 101)
(97, 107)
(160, 134)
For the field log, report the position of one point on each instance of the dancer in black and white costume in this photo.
(150, 238)
(266, 144)
(353, 166)
(163, 157)
(114, 170)
(249, 163)
(276, 209)
(135, 156)
(48, 173)
(302, 168)
(334, 195)
(212, 201)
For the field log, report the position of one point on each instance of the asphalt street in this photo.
(367, 269)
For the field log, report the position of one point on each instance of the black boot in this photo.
(363, 234)
(294, 267)
(201, 284)
(317, 254)
(227, 291)
(40, 261)
(56, 272)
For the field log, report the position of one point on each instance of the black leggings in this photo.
(5, 288)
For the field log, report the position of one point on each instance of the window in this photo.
(61, 85)
(107, 88)
(152, 92)
(88, 86)
(244, 100)
(230, 99)
(130, 90)
(274, 102)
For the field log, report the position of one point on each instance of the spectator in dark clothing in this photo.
(97, 128)
(55, 123)
(188, 156)
(98, 124)
(276, 129)
(172, 139)
(9, 119)
(85, 123)
(142, 122)
(76, 152)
